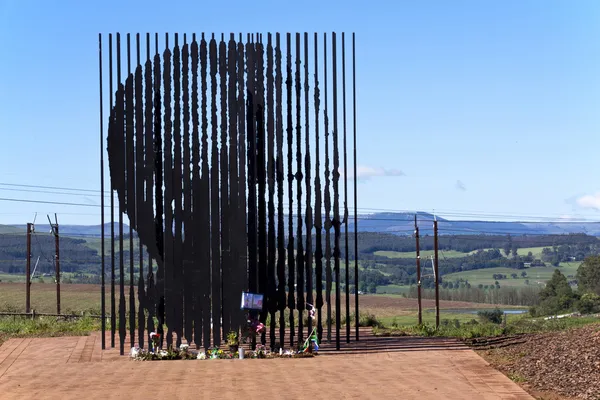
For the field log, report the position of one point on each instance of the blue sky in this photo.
(487, 107)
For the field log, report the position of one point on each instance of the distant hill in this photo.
(5, 229)
(403, 224)
(386, 222)
(68, 230)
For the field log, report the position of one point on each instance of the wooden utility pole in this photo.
(28, 270)
(418, 272)
(56, 260)
(436, 275)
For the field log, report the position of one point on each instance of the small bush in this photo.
(369, 320)
(493, 316)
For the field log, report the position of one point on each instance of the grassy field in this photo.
(96, 243)
(73, 298)
(392, 289)
(423, 254)
(536, 251)
(535, 275)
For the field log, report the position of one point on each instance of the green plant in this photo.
(369, 320)
(233, 338)
(493, 316)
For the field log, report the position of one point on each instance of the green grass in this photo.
(467, 330)
(11, 327)
(96, 244)
(536, 251)
(536, 275)
(74, 298)
(423, 254)
(392, 289)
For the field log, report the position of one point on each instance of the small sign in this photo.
(252, 301)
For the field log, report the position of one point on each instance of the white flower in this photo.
(184, 347)
(163, 353)
(201, 356)
(133, 353)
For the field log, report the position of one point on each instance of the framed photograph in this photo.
(252, 301)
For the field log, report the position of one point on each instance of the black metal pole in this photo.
(318, 203)
(347, 261)
(357, 321)
(122, 327)
(103, 294)
(130, 192)
(336, 195)
(113, 302)
(420, 311)
(308, 217)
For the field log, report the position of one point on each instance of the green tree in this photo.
(557, 295)
(372, 288)
(589, 303)
(514, 276)
(588, 275)
(523, 274)
(508, 245)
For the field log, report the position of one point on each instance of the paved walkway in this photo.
(374, 368)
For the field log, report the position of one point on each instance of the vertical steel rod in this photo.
(308, 216)
(113, 302)
(336, 194)
(347, 260)
(119, 100)
(299, 247)
(357, 320)
(102, 294)
(318, 202)
(130, 193)
(327, 199)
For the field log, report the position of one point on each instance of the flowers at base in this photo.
(163, 353)
(184, 347)
(155, 340)
(134, 352)
(201, 356)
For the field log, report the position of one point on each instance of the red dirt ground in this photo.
(374, 368)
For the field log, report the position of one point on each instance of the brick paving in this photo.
(374, 368)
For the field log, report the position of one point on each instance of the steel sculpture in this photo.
(201, 141)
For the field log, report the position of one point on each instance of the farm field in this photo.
(536, 251)
(392, 289)
(423, 254)
(78, 298)
(73, 298)
(535, 275)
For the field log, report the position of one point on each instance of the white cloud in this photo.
(364, 172)
(589, 201)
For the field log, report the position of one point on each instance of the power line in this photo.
(49, 187)
(49, 202)
(51, 192)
